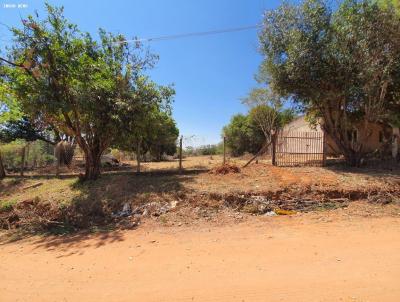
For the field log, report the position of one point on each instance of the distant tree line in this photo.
(210, 149)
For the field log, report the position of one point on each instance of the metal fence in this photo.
(299, 149)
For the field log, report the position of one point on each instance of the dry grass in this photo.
(195, 187)
(163, 177)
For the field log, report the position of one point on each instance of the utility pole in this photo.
(180, 154)
(224, 148)
(138, 155)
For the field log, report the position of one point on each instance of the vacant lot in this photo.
(44, 201)
(163, 177)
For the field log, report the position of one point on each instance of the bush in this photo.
(242, 136)
(212, 149)
(37, 153)
(6, 205)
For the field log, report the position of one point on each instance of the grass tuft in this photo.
(7, 205)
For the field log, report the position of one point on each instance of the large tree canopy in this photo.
(242, 136)
(341, 66)
(154, 132)
(79, 86)
(23, 129)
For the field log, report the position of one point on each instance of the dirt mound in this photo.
(35, 215)
(225, 169)
(32, 214)
(38, 215)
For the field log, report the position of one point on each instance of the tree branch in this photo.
(20, 66)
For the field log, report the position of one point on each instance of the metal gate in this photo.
(299, 149)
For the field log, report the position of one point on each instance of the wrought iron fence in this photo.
(299, 149)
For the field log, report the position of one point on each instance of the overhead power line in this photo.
(183, 35)
(192, 34)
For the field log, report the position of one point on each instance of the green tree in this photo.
(340, 66)
(9, 112)
(390, 4)
(266, 111)
(24, 129)
(150, 127)
(163, 137)
(242, 136)
(77, 85)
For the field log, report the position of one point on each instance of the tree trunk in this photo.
(2, 170)
(93, 154)
(395, 144)
(338, 133)
(27, 155)
(353, 159)
(92, 165)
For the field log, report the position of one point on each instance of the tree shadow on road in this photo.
(76, 243)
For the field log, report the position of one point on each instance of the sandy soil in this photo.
(324, 256)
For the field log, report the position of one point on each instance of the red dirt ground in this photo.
(320, 256)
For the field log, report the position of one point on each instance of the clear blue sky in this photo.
(210, 73)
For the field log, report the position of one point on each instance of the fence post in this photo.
(22, 161)
(27, 154)
(58, 167)
(273, 137)
(180, 154)
(138, 155)
(323, 148)
(2, 170)
(224, 151)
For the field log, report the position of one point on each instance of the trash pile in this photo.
(153, 209)
(148, 209)
(225, 169)
(280, 204)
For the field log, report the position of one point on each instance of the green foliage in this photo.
(7, 205)
(11, 153)
(9, 107)
(155, 130)
(266, 118)
(248, 133)
(23, 129)
(266, 111)
(390, 4)
(261, 96)
(163, 136)
(211, 149)
(242, 136)
(90, 90)
(37, 154)
(340, 66)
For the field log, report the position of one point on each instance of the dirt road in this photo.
(301, 258)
